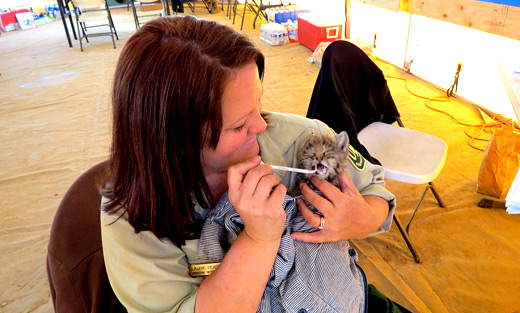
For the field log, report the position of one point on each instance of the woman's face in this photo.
(241, 122)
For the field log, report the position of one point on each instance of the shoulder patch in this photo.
(356, 159)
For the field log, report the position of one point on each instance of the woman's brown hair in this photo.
(168, 88)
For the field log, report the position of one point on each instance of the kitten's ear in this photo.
(342, 141)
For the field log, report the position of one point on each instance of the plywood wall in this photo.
(498, 19)
(386, 4)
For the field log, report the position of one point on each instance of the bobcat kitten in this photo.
(324, 154)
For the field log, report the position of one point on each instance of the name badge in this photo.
(202, 269)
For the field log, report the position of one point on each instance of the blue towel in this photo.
(306, 277)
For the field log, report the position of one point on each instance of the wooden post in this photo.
(347, 19)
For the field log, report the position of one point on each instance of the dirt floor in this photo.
(55, 124)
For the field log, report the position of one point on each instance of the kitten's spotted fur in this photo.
(325, 154)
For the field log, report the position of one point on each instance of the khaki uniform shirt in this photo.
(151, 275)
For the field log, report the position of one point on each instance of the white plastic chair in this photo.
(408, 156)
(88, 15)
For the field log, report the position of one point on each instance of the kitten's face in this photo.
(325, 154)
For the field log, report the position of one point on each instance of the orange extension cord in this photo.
(475, 132)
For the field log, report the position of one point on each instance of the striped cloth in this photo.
(306, 277)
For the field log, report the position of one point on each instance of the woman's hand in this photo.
(257, 195)
(238, 284)
(347, 214)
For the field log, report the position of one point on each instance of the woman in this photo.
(187, 129)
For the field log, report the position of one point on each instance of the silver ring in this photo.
(322, 223)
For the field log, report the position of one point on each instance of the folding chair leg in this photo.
(208, 5)
(407, 240)
(80, 29)
(136, 18)
(166, 7)
(415, 210)
(191, 6)
(243, 15)
(257, 13)
(235, 7)
(112, 26)
(83, 31)
(112, 36)
(227, 6)
(431, 187)
(436, 194)
(71, 22)
(405, 233)
(256, 16)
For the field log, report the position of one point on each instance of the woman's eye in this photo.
(239, 128)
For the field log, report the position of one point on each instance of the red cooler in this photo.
(313, 29)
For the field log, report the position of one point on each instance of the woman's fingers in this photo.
(278, 195)
(257, 183)
(257, 195)
(237, 172)
(330, 191)
(260, 182)
(346, 183)
(319, 202)
(312, 218)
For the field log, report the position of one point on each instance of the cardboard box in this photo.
(26, 20)
(274, 34)
(313, 29)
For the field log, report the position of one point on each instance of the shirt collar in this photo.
(278, 138)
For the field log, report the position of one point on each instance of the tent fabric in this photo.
(55, 124)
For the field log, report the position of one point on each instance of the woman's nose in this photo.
(258, 124)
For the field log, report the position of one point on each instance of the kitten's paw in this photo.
(294, 192)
